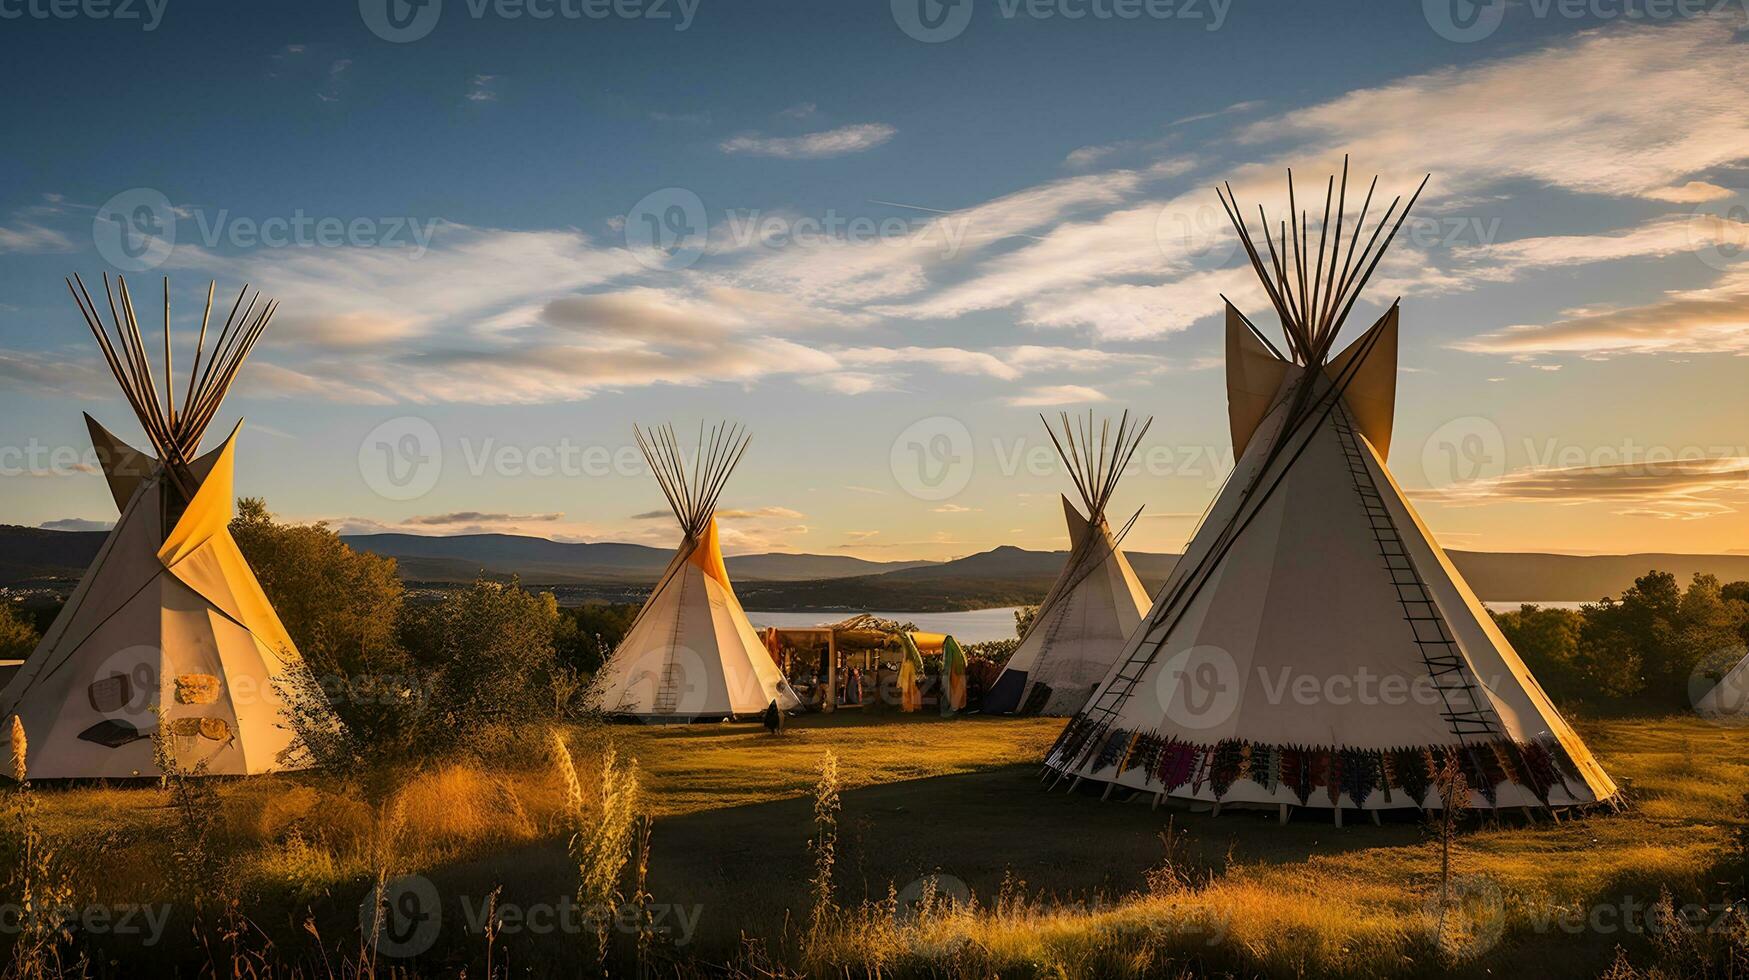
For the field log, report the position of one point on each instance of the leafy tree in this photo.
(492, 647)
(1547, 640)
(341, 607)
(1023, 618)
(587, 634)
(18, 634)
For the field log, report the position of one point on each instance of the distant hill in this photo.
(461, 557)
(1574, 578)
(1002, 576)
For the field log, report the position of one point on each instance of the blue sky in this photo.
(867, 242)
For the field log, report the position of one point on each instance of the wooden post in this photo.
(1284, 814)
(831, 672)
(1375, 818)
(1338, 811)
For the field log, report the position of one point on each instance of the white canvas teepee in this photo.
(1081, 625)
(1729, 698)
(1315, 646)
(169, 626)
(691, 653)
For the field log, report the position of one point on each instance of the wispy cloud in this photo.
(1686, 489)
(812, 146)
(1057, 395)
(480, 517)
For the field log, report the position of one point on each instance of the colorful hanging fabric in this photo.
(1410, 768)
(953, 676)
(1333, 776)
(1539, 769)
(1204, 755)
(1228, 759)
(1506, 761)
(1359, 774)
(1265, 767)
(1476, 772)
(1143, 756)
(1111, 750)
(1177, 760)
(910, 675)
(1296, 772)
(1387, 774)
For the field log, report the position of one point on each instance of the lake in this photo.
(973, 626)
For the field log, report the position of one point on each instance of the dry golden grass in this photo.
(959, 798)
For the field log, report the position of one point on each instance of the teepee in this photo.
(1080, 627)
(1729, 698)
(691, 653)
(1315, 647)
(169, 628)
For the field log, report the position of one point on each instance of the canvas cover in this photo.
(168, 626)
(1315, 646)
(691, 653)
(1079, 629)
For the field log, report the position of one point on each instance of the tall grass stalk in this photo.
(42, 892)
(824, 842)
(601, 841)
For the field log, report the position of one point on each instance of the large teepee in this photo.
(691, 653)
(1315, 646)
(169, 626)
(1081, 625)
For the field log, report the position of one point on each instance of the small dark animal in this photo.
(773, 719)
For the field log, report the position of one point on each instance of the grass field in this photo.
(1058, 884)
